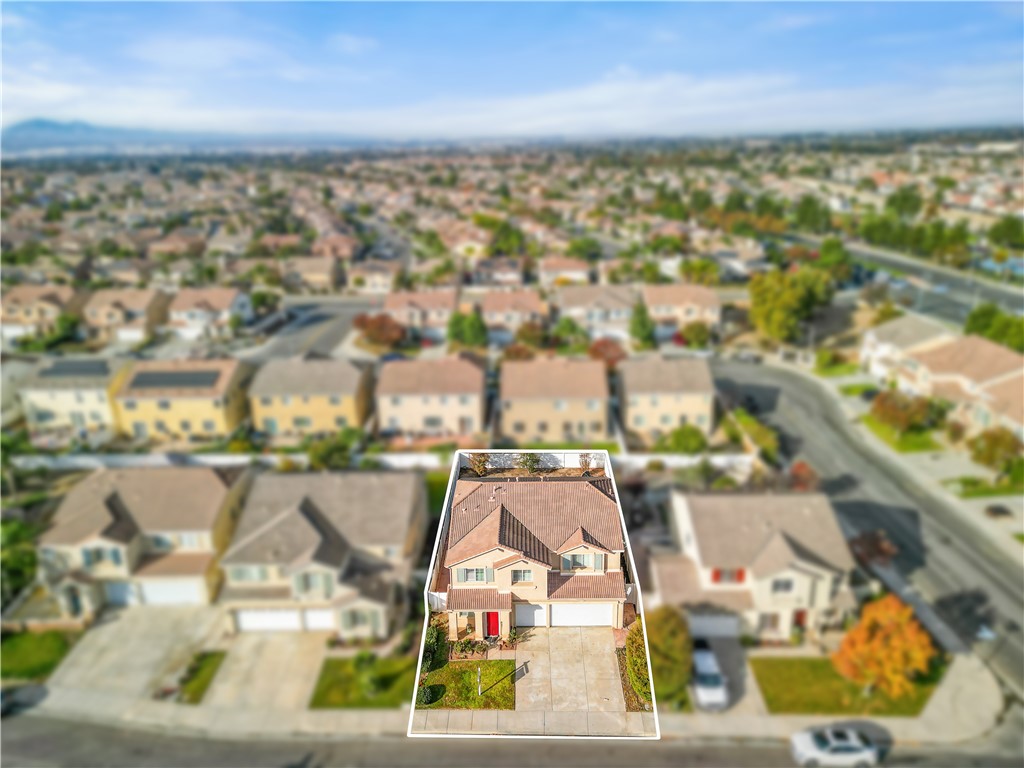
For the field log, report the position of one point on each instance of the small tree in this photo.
(382, 330)
(995, 448)
(669, 638)
(333, 452)
(531, 334)
(802, 477)
(685, 439)
(528, 461)
(474, 331)
(457, 328)
(886, 648)
(697, 334)
(517, 352)
(608, 351)
(636, 661)
(585, 462)
(901, 412)
(478, 463)
(641, 327)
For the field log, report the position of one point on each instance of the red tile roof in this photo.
(477, 599)
(586, 586)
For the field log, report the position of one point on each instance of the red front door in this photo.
(799, 618)
(492, 624)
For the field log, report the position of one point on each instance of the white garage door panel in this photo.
(269, 621)
(581, 614)
(173, 592)
(321, 619)
(714, 626)
(529, 615)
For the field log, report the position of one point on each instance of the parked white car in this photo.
(833, 746)
(709, 684)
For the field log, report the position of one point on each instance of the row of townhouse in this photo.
(981, 380)
(276, 551)
(603, 311)
(124, 314)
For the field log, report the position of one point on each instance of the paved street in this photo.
(320, 326)
(969, 581)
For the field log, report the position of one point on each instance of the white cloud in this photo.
(352, 45)
(12, 20)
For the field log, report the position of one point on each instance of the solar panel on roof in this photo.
(175, 379)
(70, 368)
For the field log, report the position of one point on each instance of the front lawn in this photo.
(909, 442)
(811, 686)
(340, 685)
(437, 487)
(978, 488)
(199, 676)
(457, 681)
(837, 369)
(856, 390)
(596, 446)
(33, 655)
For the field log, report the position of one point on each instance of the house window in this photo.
(471, 574)
(559, 405)
(521, 576)
(782, 586)
(248, 573)
(595, 426)
(186, 426)
(164, 405)
(209, 426)
(593, 405)
(575, 562)
(286, 400)
(727, 576)
(302, 422)
(519, 427)
(432, 422)
(335, 400)
(463, 399)
(542, 426)
(638, 421)
(396, 401)
(129, 405)
(768, 622)
(265, 401)
(341, 422)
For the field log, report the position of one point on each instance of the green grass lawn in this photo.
(978, 488)
(339, 686)
(198, 679)
(596, 446)
(1019, 537)
(909, 442)
(437, 486)
(856, 390)
(838, 369)
(458, 681)
(811, 686)
(33, 655)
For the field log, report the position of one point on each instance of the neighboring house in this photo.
(758, 565)
(549, 400)
(980, 378)
(741, 259)
(603, 311)
(15, 370)
(32, 310)
(125, 314)
(181, 242)
(274, 242)
(432, 397)
(505, 312)
(124, 272)
(312, 273)
(336, 246)
(308, 395)
(140, 536)
(71, 397)
(327, 551)
(206, 312)
(532, 554)
(499, 272)
(561, 270)
(660, 394)
(181, 399)
(673, 307)
(372, 276)
(884, 347)
(423, 314)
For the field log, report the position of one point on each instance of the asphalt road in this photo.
(963, 575)
(320, 326)
(37, 742)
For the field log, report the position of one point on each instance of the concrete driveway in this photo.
(268, 671)
(568, 669)
(744, 695)
(133, 651)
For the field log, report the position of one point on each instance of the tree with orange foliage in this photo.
(885, 649)
(802, 477)
(607, 350)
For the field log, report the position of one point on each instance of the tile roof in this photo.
(679, 584)
(445, 299)
(910, 330)
(658, 375)
(610, 585)
(578, 538)
(555, 377)
(212, 299)
(973, 357)
(448, 376)
(526, 300)
(1007, 398)
(606, 297)
(680, 295)
(477, 599)
(307, 376)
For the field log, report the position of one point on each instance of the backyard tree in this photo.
(474, 330)
(685, 439)
(641, 327)
(885, 649)
(517, 352)
(478, 463)
(528, 461)
(531, 334)
(802, 477)
(586, 460)
(900, 411)
(669, 638)
(608, 351)
(381, 330)
(456, 327)
(700, 271)
(697, 334)
(996, 447)
(636, 661)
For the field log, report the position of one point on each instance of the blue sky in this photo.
(466, 70)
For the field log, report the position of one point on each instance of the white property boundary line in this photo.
(453, 476)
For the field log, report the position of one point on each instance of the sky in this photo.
(467, 70)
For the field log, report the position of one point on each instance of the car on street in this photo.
(710, 691)
(826, 747)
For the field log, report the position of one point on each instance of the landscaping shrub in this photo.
(655, 465)
(724, 483)
(669, 638)
(636, 661)
(478, 463)
(996, 448)
(826, 358)
(528, 461)
(427, 694)
(954, 431)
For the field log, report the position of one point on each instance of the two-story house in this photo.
(432, 397)
(532, 554)
(499, 272)
(125, 314)
(603, 311)
(181, 399)
(206, 312)
(658, 395)
(884, 347)
(505, 312)
(423, 314)
(32, 310)
(372, 276)
(309, 395)
(549, 400)
(757, 565)
(673, 307)
(561, 270)
(308, 554)
(140, 536)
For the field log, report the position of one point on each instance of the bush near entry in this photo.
(636, 661)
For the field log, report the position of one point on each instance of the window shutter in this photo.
(741, 574)
(488, 574)
(716, 576)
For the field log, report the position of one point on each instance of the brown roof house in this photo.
(884, 347)
(336, 246)
(505, 312)
(206, 312)
(432, 397)
(545, 552)
(673, 307)
(307, 556)
(603, 311)
(313, 274)
(372, 276)
(423, 314)
(551, 400)
(32, 310)
(561, 270)
(659, 395)
(125, 314)
(140, 536)
(759, 565)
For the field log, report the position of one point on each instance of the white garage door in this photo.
(530, 615)
(321, 619)
(269, 621)
(173, 592)
(582, 614)
(716, 625)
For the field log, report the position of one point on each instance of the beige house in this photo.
(125, 314)
(537, 554)
(550, 400)
(307, 556)
(505, 312)
(562, 270)
(884, 347)
(206, 312)
(432, 397)
(758, 565)
(423, 313)
(336, 246)
(140, 536)
(658, 395)
(32, 310)
(317, 274)
(673, 307)
(372, 276)
(603, 311)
